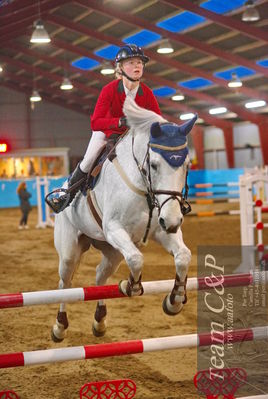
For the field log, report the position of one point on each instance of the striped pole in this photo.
(265, 396)
(112, 291)
(127, 348)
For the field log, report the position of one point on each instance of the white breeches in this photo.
(97, 142)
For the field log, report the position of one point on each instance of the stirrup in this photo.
(58, 202)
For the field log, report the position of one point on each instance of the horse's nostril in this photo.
(162, 223)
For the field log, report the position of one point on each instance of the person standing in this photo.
(108, 118)
(25, 205)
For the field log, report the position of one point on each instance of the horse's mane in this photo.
(138, 117)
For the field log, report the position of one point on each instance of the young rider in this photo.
(108, 118)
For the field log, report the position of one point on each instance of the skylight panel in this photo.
(142, 38)
(241, 72)
(85, 63)
(222, 6)
(181, 21)
(108, 52)
(164, 91)
(196, 83)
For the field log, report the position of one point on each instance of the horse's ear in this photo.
(156, 130)
(187, 126)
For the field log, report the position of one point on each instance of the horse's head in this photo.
(168, 163)
(167, 160)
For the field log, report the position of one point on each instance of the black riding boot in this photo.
(75, 183)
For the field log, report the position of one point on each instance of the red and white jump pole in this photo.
(112, 291)
(19, 359)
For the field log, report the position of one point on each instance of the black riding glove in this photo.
(122, 122)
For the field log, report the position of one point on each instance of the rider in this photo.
(108, 118)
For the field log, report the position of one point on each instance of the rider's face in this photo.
(133, 67)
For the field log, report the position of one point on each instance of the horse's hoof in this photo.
(97, 333)
(55, 338)
(126, 289)
(99, 329)
(169, 309)
(123, 287)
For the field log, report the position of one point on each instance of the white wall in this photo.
(49, 125)
(244, 134)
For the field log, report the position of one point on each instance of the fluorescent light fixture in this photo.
(66, 84)
(1, 69)
(255, 104)
(165, 47)
(218, 110)
(185, 117)
(35, 97)
(107, 69)
(178, 97)
(40, 35)
(251, 13)
(235, 82)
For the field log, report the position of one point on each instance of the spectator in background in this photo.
(25, 205)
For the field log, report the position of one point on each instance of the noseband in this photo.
(151, 194)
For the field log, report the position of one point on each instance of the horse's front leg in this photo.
(120, 240)
(107, 267)
(173, 243)
(70, 249)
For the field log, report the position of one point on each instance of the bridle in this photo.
(151, 195)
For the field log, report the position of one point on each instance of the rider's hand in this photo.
(122, 122)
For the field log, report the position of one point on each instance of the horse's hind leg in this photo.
(108, 266)
(70, 249)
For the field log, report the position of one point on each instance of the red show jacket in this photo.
(109, 107)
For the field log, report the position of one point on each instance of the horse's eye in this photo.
(154, 166)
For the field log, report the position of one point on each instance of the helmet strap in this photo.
(123, 73)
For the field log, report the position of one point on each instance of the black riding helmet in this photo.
(131, 51)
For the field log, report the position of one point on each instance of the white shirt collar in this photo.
(131, 93)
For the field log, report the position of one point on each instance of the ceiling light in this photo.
(235, 82)
(255, 104)
(66, 84)
(251, 13)
(178, 97)
(35, 97)
(185, 117)
(40, 35)
(165, 47)
(218, 110)
(107, 69)
(1, 69)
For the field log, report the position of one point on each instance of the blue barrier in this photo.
(8, 193)
(9, 197)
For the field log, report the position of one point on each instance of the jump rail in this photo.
(19, 359)
(112, 291)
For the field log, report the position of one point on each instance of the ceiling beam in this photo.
(177, 37)
(68, 96)
(246, 115)
(48, 99)
(49, 75)
(210, 120)
(226, 21)
(29, 14)
(65, 66)
(159, 80)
